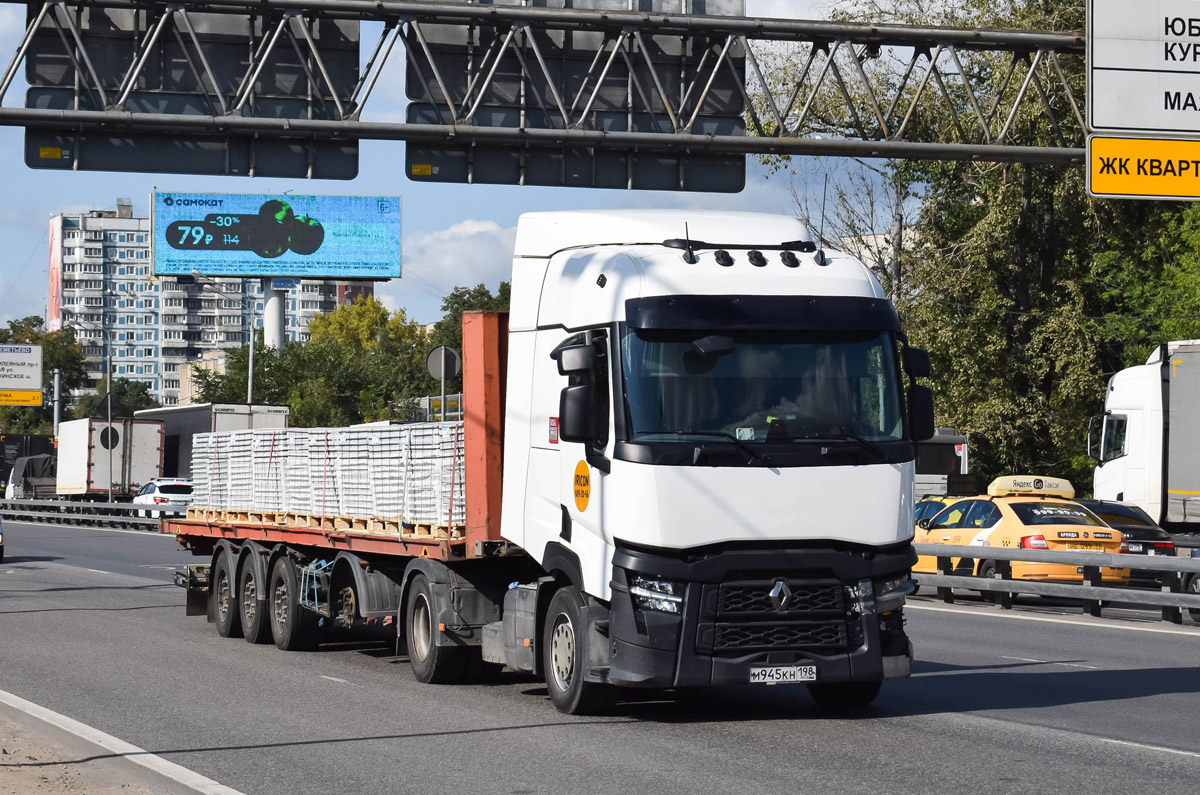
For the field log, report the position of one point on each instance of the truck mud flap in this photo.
(195, 580)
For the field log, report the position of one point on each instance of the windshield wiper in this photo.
(860, 442)
(718, 434)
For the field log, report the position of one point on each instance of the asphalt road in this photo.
(999, 703)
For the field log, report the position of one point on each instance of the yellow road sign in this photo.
(1143, 168)
(20, 397)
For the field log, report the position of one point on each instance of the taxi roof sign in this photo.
(1028, 484)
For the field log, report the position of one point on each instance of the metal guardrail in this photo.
(79, 512)
(1171, 597)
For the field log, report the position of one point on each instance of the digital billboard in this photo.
(314, 237)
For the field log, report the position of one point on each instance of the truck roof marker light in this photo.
(790, 259)
(757, 259)
(724, 258)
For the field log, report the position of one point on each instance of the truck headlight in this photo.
(663, 596)
(890, 592)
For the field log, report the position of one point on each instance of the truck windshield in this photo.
(759, 387)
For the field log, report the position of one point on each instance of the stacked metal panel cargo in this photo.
(413, 473)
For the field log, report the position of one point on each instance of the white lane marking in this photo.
(168, 566)
(1145, 747)
(1193, 633)
(99, 571)
(176, 773)
(334, 679)
(1047, 662)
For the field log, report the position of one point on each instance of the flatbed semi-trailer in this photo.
(686, 465)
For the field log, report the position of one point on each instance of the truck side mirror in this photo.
(577, 403)
(577, 414)
(920, 413)
(916, 362)
(575, 359)
(1093, 437)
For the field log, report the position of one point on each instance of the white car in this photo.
(166, 495)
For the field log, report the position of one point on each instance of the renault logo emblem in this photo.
(781, 596)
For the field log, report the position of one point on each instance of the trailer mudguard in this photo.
(378, 590)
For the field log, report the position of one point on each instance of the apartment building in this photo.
(102, 283)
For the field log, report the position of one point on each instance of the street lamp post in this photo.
(253, 316)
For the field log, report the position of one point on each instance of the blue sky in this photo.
(454, 234)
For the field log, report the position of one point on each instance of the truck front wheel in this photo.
(564, 655)
(225, 603)
(844, 695)
(431, 663)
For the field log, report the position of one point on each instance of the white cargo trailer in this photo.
(95, 455)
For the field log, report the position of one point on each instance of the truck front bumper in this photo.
(740, 609)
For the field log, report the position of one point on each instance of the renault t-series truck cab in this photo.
(725, 478)
(688, 462)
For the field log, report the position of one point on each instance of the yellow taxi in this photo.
(1021, 512)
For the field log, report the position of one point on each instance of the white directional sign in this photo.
(20, 375)
(1144, 66)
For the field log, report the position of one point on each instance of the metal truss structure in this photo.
(512, 77)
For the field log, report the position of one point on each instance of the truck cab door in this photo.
(1109, 480)
(585, 437)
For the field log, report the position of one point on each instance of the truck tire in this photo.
(256, 627)
(1194, 589)
(431, 663)
(843, 695)
(225, 603)
(565, 655)
(293, 627)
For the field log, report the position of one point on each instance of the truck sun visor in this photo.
(753, 312)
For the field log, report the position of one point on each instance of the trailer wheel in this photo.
(293, 627)
(1194, 589)
(255, 626)
(843, 695)
(565, 655)
(431, 663)
(224, 594)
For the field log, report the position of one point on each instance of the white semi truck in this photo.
(689, 462)
(1147, 441)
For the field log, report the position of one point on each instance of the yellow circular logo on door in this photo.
(583, 486)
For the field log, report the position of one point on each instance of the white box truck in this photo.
(689, 462)
(95, 456)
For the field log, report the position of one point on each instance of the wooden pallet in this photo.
(394, 527)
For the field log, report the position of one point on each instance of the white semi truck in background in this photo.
(96, 458)
(689, 462)
(181, 423)
(1147, 441)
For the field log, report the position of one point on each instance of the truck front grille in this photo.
(755, 599)
(776, 637)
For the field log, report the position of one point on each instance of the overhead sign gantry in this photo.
(505, 92)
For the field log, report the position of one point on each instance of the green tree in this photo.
(61, 350)
(448, 330)
(361, 363)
